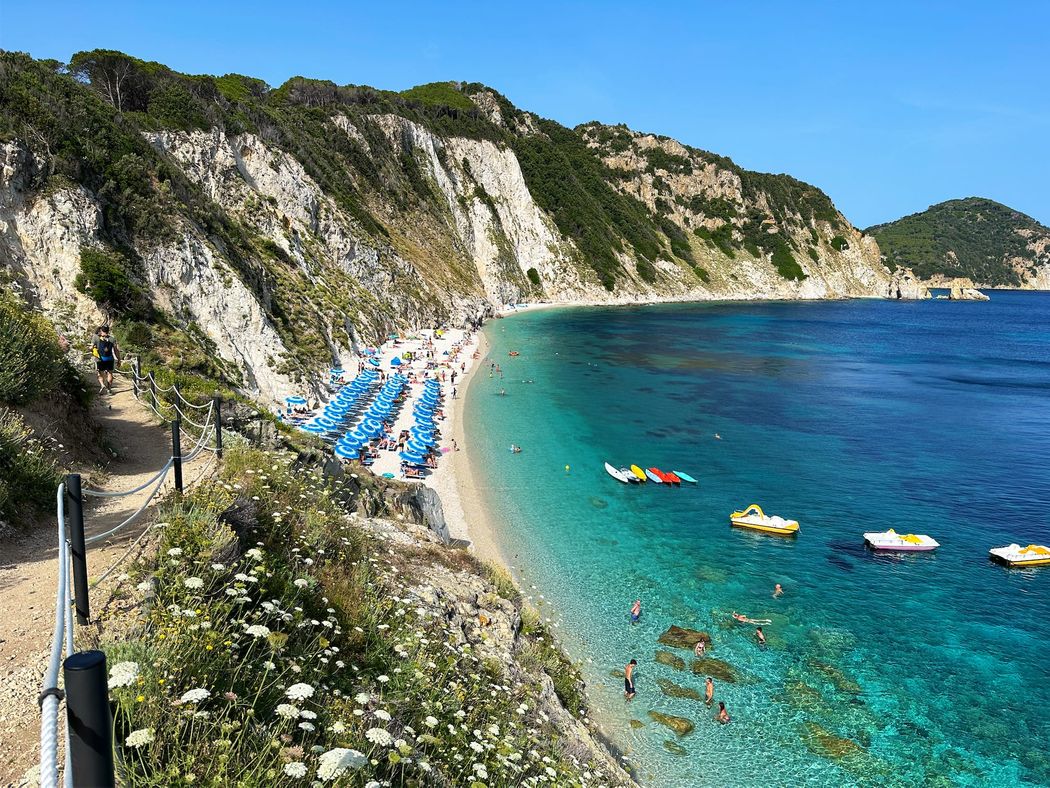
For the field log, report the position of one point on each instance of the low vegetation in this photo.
(280, 643)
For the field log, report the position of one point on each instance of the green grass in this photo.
(34, 365)
(441, 94)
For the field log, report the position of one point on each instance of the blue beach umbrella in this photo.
(395, 362)
(374, 361)
(411, 457)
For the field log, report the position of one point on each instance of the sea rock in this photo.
(716, 669)
(904, 286)
(636, 724)
(671, 660)
(958, 293)
(836, 676)
(824, 743)
(679, 725)
(680, 637)
(675, 748)
(672, 690)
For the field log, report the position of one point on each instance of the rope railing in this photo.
(85, 672)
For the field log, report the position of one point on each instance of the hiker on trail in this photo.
(107, 356)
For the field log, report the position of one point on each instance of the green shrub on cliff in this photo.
(34, 365)
(786, 264)
(28, 474)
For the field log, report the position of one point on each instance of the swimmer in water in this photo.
(760, 636)
(777, 590)
(636, 611)
(700, 648)
(723, 715)
(709, 691)
(739, 617)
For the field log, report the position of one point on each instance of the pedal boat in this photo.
(891, 540)
(754, 518)
(1015, 555)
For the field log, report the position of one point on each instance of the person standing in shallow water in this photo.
(636, 611)
(761, 637)
(628, 679)
(723, 715)
(709, 691)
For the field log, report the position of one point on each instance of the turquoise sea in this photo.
(848, 416)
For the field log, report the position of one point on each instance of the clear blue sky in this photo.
(887, 106)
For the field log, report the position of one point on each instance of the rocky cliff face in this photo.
(284, 229)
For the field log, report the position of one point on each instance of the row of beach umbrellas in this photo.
(421, 433)
(337, 410)
(371, 424)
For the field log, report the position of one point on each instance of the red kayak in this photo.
(666, 478)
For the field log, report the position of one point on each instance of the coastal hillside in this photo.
(263, 233)
(983, 241)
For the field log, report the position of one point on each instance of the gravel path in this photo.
(29, 570)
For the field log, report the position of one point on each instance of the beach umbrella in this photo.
(412, 458)
(295, 400)
(316, 429)
(395, 362)
(417, 448)
(388, 475)
(374, 361)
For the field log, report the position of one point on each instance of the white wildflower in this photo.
(337, 727)
(255, 554)
(296, 769)
(306, 726)
(218, 567)
(286, 710)
(123, 674)
(299, 691)
(195, 695)
(337, 762)
(258, 631)
(301, 583)
(139, 738)
(306, 714)
(383, 715)
(382, 679)
(193, 583)
(430, 722)
(379, 736)
(175, 552)
(362, 698)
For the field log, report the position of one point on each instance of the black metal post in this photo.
(176, 454)
(75, 502)
(153, 392)
(218, 427)
(90, 723)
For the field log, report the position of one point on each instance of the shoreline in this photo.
(456, 482)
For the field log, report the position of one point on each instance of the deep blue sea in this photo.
(849, 416)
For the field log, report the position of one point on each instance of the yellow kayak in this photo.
(638, 472)
(754, 518)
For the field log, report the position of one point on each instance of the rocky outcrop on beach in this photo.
(960, 292)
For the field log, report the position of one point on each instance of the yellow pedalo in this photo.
(754, 518)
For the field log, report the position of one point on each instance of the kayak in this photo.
(652, 476)
(672, 478)
(685, 477)
(616, 474)
(630, 477)
(638, 472)
(666, 478)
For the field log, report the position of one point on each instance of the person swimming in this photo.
(628, 679)
(760, 636)
(636, 611)
(700, 648)
(515, 449)
(723, 715)
(777, 590)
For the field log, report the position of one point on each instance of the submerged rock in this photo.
(823, 742)
(680, 637)
(838, 679)
(679, 725)
(715, 668)
(674, 747)
(672, 690)
(671, 660)
(636, 723)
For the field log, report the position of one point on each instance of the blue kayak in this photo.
(685, 477)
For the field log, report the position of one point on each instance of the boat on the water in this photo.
(615, 473)
(671, 478)
(638, 472)
(754, 518)
(685, 477)
(891, 540)
(651, 473)
(1015, 555)
(631, 478)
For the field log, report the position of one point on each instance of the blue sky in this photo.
(887, 106)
